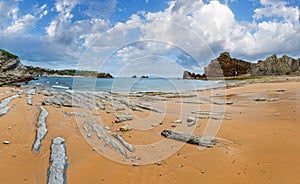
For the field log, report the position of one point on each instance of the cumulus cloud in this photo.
(21, 24)
(199, 28)
(278, 9)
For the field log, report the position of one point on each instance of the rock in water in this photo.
(41, 130)
(58, 162)
(11, 69)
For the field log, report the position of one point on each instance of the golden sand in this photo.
(260, 143)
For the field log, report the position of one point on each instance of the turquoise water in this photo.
(125, 84)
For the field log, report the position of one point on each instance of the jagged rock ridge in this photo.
(225, 66)
(276, 66)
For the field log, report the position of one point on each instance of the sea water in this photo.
(126, 84)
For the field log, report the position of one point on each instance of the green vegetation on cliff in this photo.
(8, 55)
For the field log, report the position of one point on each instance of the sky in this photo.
(126, 37)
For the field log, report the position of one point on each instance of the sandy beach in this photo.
(256, 143)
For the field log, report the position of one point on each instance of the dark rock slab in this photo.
(184, 137)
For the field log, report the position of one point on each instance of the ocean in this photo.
(126, 84)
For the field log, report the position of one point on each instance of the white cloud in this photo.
(43, 7)
(200, 30)
(65, 6)
(21, 24)
(277, 9)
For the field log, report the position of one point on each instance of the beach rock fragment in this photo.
(124, 117)
(7, 100)
(100, 106)
(102, 135)
(273, 99)
(29, 99)
(185, 137)
(58, 162)
(148, 107)
(223, 103)
(106, 127)
(127, 145)
(79, 114)
(208, 112)
(4, 110)
(260, 99)
(177, 121)
(41, 130)
(191, 121)
(125, 128)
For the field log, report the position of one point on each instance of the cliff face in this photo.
(226, 66)
(276, 66)
(11, 69)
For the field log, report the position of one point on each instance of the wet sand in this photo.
(258, 141)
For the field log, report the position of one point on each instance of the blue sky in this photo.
(129, 36)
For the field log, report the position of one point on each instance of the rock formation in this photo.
(58, 162)
(41, 130)
(226, 66)
(11, 69)
(104, 75)
(276, 66)
(189, 75)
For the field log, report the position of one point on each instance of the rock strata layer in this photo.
(11, 69)
(59, 162)
(225, 66)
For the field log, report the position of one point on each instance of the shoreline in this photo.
(254, 139)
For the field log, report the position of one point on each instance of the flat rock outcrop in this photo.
(59, 162)
(11, 69)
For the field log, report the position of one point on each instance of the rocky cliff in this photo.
(276, 66)
(226, 66)
(11, 69)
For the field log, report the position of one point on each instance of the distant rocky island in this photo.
(225, 66)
